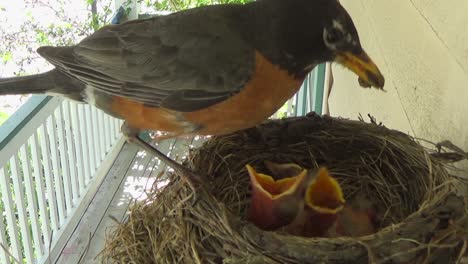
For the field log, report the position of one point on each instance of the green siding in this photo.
(310, 96)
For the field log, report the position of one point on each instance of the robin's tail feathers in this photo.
(32, 84)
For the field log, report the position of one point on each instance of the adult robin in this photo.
(209, 71)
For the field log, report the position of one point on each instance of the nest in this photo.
(423, 218)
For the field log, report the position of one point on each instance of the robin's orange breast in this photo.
(269, 88)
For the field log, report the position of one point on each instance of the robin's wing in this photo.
(184, 61)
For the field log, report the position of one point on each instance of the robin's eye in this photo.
(333, 37)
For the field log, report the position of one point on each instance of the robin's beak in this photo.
(323, 201)
(274, 203)
(362, 65)
(324, 195)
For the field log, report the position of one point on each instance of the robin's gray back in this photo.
(184, 61)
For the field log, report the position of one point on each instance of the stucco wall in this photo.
(421, 46)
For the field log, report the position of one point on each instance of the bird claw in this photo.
(133, 137)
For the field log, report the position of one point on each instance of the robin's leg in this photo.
(132, 136)
(161, 137)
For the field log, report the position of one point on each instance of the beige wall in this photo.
(421, 46)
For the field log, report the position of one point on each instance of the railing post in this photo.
(77, 141)
(319, 84)
(40, 189)
(4, 258)
(31, 199)
(7, 196)
(20, 204)
(301, 98)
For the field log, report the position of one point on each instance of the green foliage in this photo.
(41, 37)
(6, 57)
(177, 5)
(94, 21)
(3, 117)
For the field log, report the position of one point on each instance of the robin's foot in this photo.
(156, 138)
(132, 136)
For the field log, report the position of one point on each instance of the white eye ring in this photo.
(333, 37)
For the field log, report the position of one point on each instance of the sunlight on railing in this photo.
(47, 175)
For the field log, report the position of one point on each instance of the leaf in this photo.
(41, 37)
(29, 15)
(7, 56)
(3, 117)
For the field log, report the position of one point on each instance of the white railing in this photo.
(50, 167)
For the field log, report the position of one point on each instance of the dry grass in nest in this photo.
(423, 219)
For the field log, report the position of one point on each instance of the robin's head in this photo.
(341, 40)
(311, 32)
